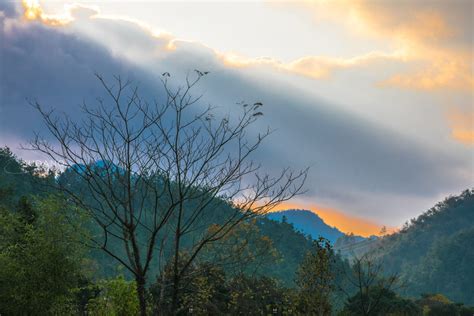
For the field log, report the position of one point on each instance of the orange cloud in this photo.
(423, 35)
(316, 67)
(436, 33)
(344, 222)
(452, 73)
(462, 125)
(321, 67)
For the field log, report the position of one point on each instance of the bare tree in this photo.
(369, 284)
(154, 174)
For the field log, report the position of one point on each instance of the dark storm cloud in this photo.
(55, 68)
(354, 162)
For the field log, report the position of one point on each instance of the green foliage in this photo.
(202, 288)
(434, 252)
(205, 293)
(291, 246)
(259, 296)
(440, 305)
(251, 271)
(19, 179)
(205, 290)
(315, 279)
(117, 297)
(40, 257)
(384, 302)
(260, 246)
(448, 267)
(243, 250)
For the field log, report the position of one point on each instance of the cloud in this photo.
(357, 165)
(462, 124)
(34, 11)
(321, 67)
(316, 67)
(434, 38)
(438, 33)
(452, 74)
(8, 9)
(52, 65)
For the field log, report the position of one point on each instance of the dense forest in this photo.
(49, 268)
(434, 253)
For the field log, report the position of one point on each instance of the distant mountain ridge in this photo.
(307, 222)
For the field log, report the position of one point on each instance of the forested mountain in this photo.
(308, 223)
(275, 248)
(434, 253)
(32, 214)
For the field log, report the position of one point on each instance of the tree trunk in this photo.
(141, 294)
(174, 302)
(176, 276)
(162, 291)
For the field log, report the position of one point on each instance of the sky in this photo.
(376, 97)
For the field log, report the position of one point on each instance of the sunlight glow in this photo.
(462, 125)
(34, 11)
(341, 220)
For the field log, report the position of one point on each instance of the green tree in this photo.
(372, 288)
(18, 179)
(384, 302)
(117, 297)
(203, 290)
(315, 279)
(440, 305)
(259, 296)
(244, 250)
(40, 256)
(433, 252)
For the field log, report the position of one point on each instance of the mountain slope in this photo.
(434, 252)
(18, 179)
(308, 223)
